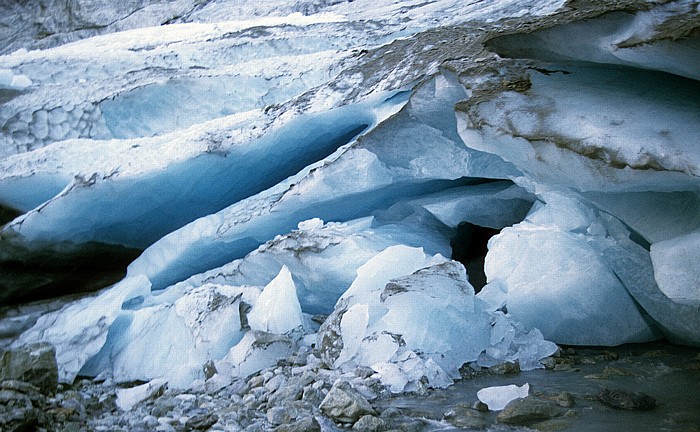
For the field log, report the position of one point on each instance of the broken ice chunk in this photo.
(557, 281)
(310, 224)
(676, 267)
(127, 398)
(352, 330)
(496, 398)
(256, 351)
(277, 310)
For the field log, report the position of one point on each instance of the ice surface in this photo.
(493, 205)
(79, 330)
(199, 326)
(616, 38)
(133, 208)
(656, 216)
(10, 80)
(425, 323)
(676, 267)
(496, 398)
(557, 281)
(403, 157)
(616, 149)
(228, 144)
(632, 264)
(256, 351)
(128, 397)
(277, 309)
(353, 325)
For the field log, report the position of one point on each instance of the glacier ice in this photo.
(79, 329)
(426, 322)
(277, 309)
(387, 164)
(675, 267)
(134, 204)
(497, 397)
(276, 165)
(629, 170)
(128, 397)
(197, 327)
(556, 281)
(256, 351)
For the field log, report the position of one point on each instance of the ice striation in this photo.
(277, 162)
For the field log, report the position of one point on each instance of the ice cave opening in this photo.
(41, 278)
(8, 214)
(469, 246)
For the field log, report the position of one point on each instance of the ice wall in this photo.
(406, 156)
(610, 122)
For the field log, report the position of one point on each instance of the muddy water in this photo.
(668, 373)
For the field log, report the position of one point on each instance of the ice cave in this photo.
(194, 191)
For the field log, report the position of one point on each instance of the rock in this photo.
(480, 406)
(464, 417)
(622, 399)
(209, 369)
(364, 372)
(565, 399)
(15, 398)
(526, 411)
(312, 395)
(550, 425)
(162, 406)
(278, 415)
(256, 381)
(507, 368)
(369, 423)
(345, 404)
(18, 419)
(307, 424)
(201, 421)
(34, 363)
(22, 387)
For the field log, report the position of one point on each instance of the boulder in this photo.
(307, 424)
(34, 363)
(369, 423)
(345, 404)
(202, 421)
(465, 417)
(526, 411)
(623, 399)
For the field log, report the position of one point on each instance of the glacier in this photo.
(408, 187)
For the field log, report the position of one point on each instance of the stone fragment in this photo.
(465, 417)
(526, 411)
(623, 399)
(369, 423)
(33, 363)
(202, 421)
(565, 399)
(345, 404)
(19, 419)
(278, 415)
(306, 424)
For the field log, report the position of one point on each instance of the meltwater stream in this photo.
(670, 374)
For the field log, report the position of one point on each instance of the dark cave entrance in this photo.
(469, 246)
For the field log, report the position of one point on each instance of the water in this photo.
(668, 373)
